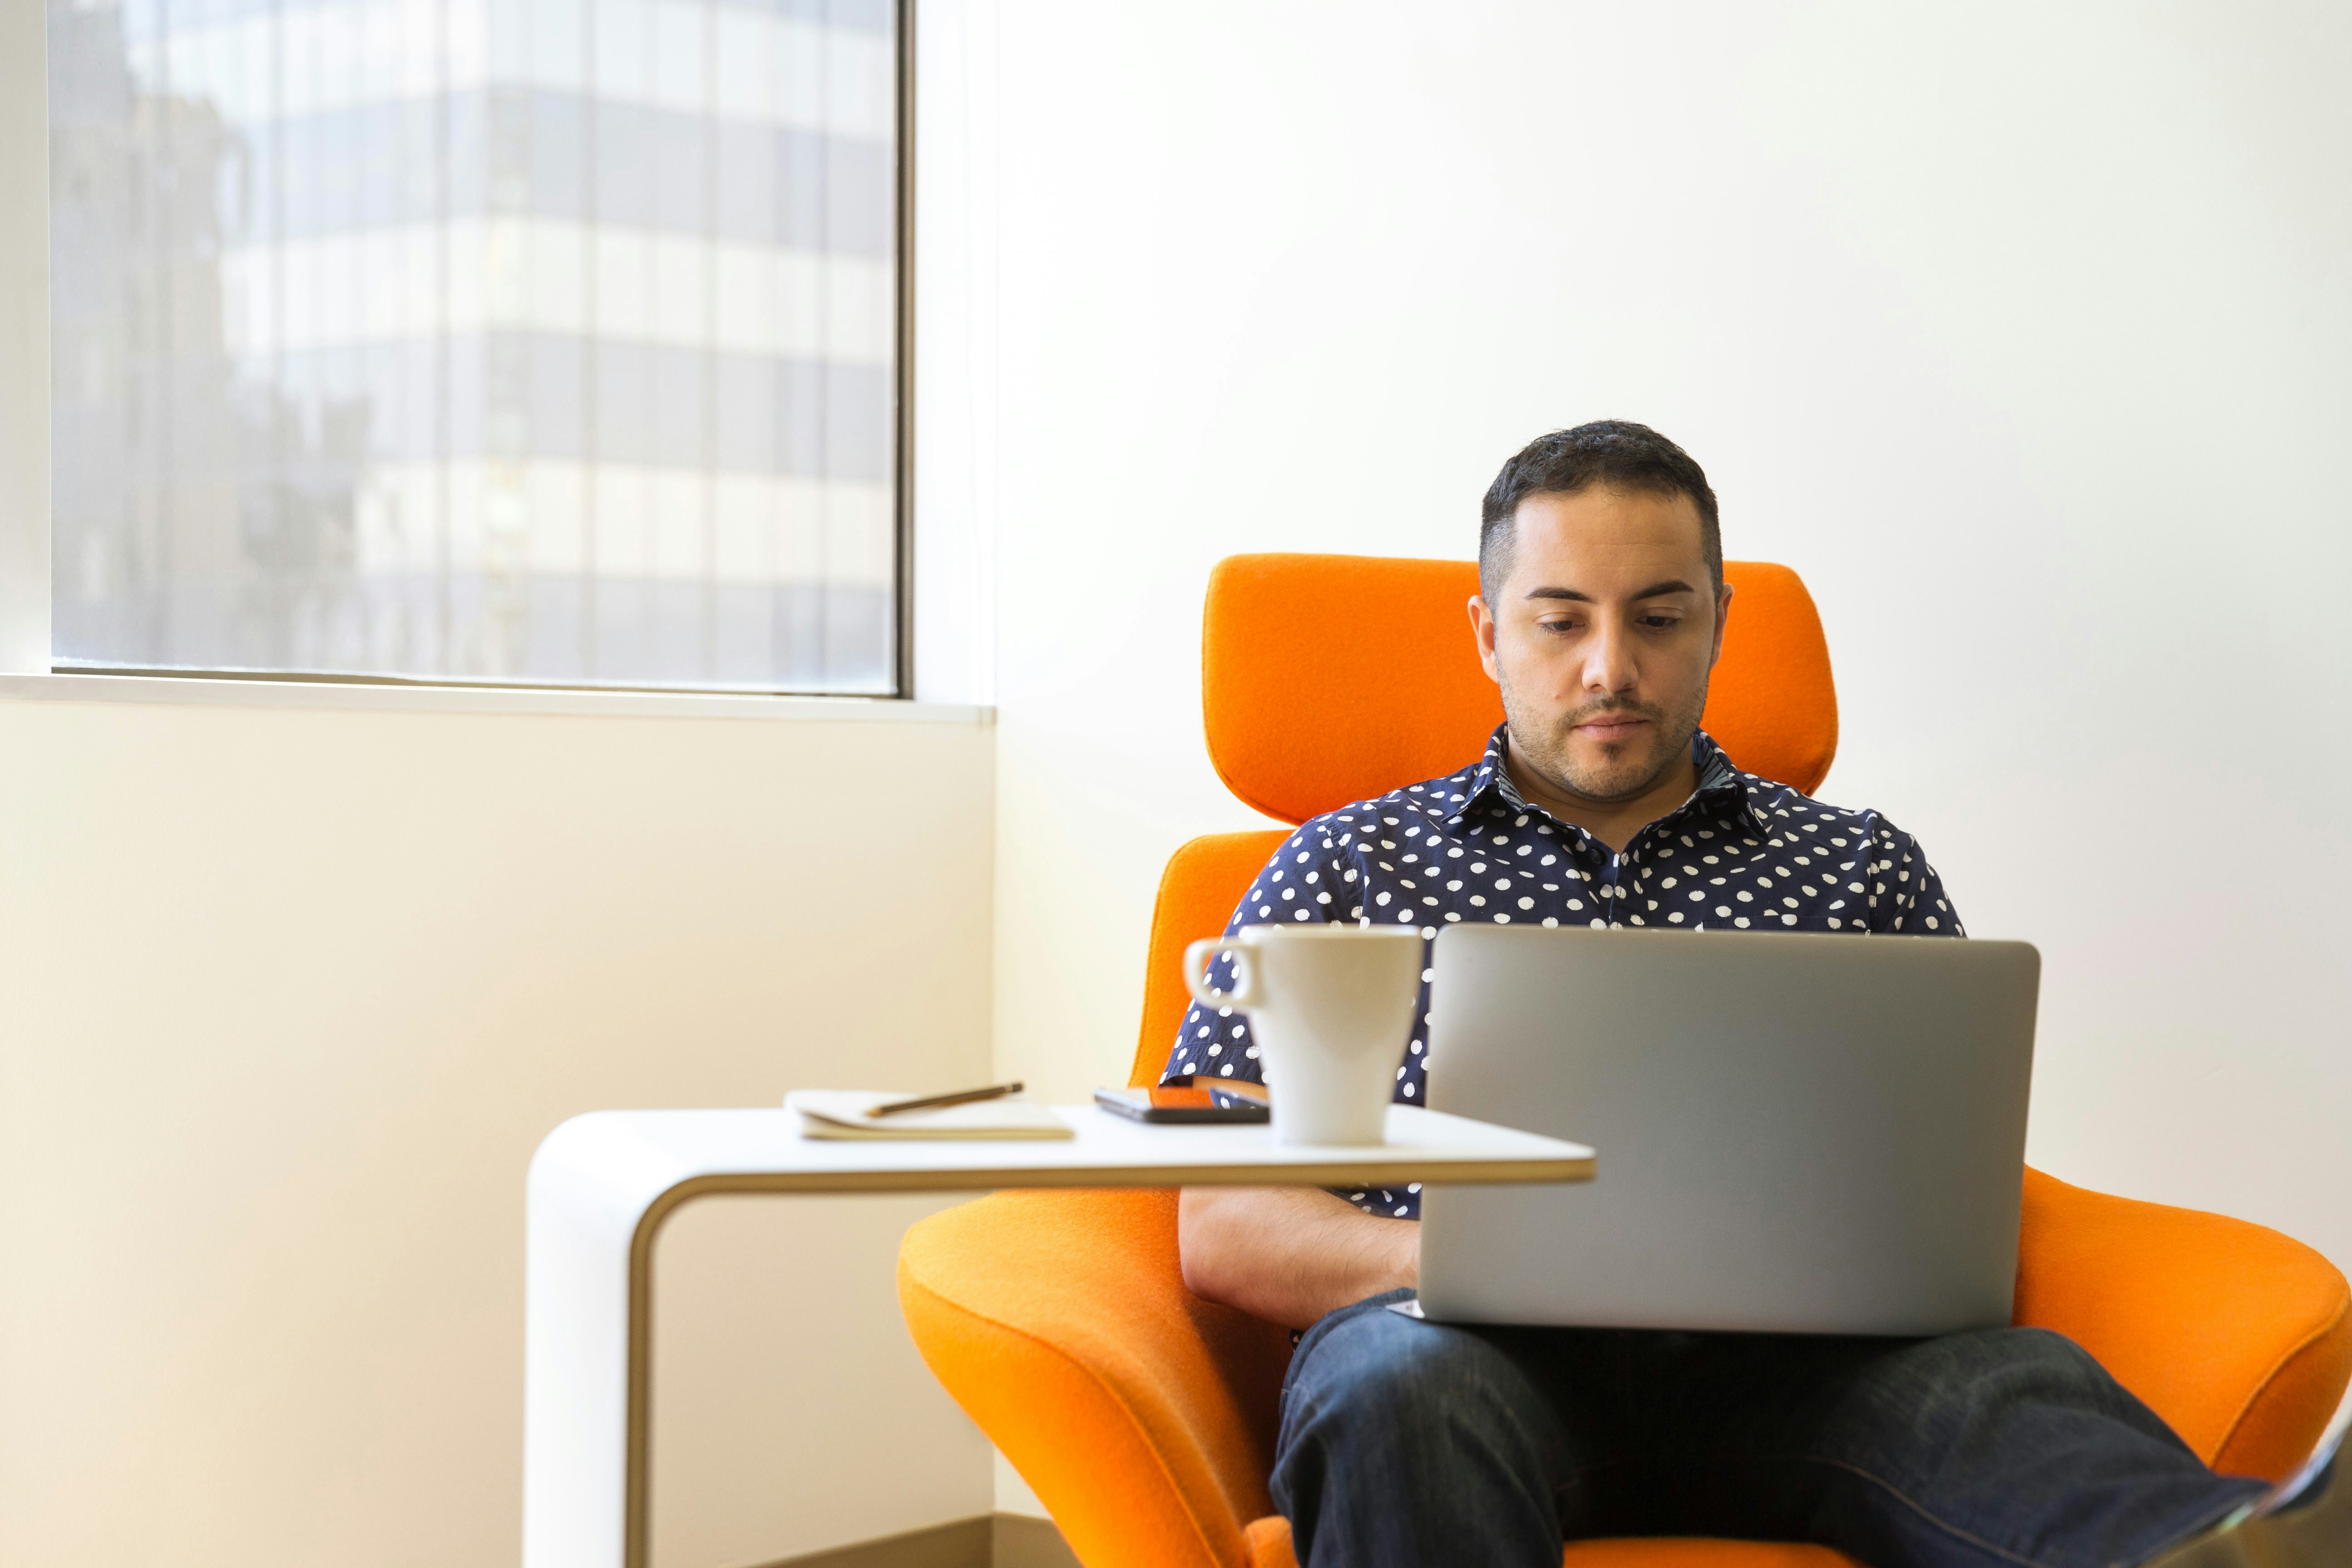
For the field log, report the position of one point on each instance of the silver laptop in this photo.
(1797, 1134)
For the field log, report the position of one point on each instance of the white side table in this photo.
(602, 1186)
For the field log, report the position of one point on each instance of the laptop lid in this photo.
(1796, 1132)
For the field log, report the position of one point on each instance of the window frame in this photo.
(26, 480)
(23, 336)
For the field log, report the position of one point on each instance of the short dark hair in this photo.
(1613, 452)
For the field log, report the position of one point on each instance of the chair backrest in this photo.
(1331, 678)
(1203, 881)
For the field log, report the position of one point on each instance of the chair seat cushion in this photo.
(1269, 1547)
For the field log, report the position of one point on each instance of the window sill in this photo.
(214, 692)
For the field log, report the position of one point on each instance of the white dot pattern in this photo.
(1742, 852)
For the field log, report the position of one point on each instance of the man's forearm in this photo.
(1290, 1254)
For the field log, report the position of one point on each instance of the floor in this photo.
(986, 1540)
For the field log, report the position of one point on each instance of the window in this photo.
(549, 341)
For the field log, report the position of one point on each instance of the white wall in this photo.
(286, 1000)
(2020, 329)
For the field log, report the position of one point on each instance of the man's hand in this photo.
(1290, 1254)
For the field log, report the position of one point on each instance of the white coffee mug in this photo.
(1329, 1009)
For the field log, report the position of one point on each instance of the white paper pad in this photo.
(840, 1113)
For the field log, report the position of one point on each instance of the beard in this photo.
(1604, 772)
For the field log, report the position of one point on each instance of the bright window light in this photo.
(546, 342)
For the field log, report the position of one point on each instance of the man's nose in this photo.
(1609, 661)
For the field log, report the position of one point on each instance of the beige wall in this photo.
(2020, 329)
(287, 999)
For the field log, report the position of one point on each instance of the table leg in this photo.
(595, 1202)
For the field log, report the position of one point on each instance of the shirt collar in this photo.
(1487, 777)
(1719, 780)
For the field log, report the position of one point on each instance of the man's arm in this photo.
(1286, 1253)
(1290, 1254)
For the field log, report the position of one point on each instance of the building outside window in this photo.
(531, 340)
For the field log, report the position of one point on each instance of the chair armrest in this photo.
(1141, 1415)
(2239, 1337)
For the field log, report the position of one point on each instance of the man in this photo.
(1601, 613)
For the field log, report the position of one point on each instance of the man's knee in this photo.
(1404, 1439)
(1972, 1386)
(2011, 1363)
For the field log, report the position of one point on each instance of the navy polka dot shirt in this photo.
(1742, 853)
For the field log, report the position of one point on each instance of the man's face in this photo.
(1602, 637)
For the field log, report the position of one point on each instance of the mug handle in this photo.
(1244, 993)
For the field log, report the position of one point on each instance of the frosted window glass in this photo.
(534, 341)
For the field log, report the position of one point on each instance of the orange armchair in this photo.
(1144, 1417)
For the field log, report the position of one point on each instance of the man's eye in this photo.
(1661, 623)
(1558, 625)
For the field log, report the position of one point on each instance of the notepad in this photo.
(841, 1113)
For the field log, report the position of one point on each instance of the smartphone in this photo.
(1188, 1099)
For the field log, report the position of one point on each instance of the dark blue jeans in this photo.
(1413, 1442)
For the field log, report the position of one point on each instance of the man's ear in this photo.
(1482, 628)
(1722, 609)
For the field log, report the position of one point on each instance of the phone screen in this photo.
(1197, 1096)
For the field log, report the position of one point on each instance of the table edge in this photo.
(1482, 1171)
